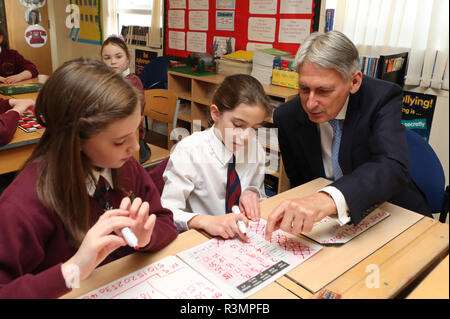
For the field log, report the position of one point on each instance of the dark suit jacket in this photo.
(373, 154)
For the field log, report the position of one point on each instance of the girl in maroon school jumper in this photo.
(56, 224)
(10, 111)
(115, 54)
(13, 66)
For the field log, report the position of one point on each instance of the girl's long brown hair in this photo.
(78, 101)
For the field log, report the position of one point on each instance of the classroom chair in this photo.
(427, 172)
(161, 105)
(154, 74)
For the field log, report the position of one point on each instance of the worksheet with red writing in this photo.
(240, 268)
(329, 231)
(169, 278)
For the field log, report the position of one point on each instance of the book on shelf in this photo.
(386, 67)
(329, 19)
(369, 65)
(393, 67)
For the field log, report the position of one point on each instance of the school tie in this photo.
(337, 134)
(233, 191)
(102, 195)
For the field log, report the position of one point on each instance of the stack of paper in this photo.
(239, 62)
(263, 63)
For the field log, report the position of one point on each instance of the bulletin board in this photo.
(191, 26)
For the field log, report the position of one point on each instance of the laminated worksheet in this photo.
(240, 268)
(169, 278)
(329, 231)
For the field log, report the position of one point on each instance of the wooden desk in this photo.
(14, 154)
(403, 246)
(133, 262)
(435, 285)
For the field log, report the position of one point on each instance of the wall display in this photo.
(33, 3)
(85, 21)
(282, 24)
(417, 112)
(36, 36)
(33, 16)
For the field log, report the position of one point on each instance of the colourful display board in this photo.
(192, 25)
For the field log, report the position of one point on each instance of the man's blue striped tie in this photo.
(337, 134)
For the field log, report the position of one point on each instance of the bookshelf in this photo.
(196, 93)
(391, 67)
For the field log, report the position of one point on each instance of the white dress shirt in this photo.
(196, 175)
(326, 140)
(91, 184)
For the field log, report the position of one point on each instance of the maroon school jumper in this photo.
(33, 242)
(8, 122)
(12, 62)
(137, 83)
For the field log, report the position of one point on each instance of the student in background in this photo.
(13, 66)
(115, 54)
(10, 111)
(62, 215)
(202, 167)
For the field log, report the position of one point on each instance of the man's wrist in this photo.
(340, 202)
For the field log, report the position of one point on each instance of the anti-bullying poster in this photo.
(417, 112)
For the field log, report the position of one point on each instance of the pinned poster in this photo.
(261, 29)
(263, 6)
(417, 112)
(176, 19)
(240, 268)
(33, 3)
(329, 231)
(296, 6)
(36, 36)
(198, 4)
(177, 4)
(33, 16)
(177, 40)
(198, 20)
(294, 30)
(196, 42)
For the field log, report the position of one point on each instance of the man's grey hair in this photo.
(329, 50)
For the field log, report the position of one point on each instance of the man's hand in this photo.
(298, 215)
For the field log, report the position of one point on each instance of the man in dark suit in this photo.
(346, 127)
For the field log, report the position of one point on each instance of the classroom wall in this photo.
(17, 25)
(63, 47)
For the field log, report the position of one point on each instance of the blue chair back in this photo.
(426, 170)
(154, 74)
